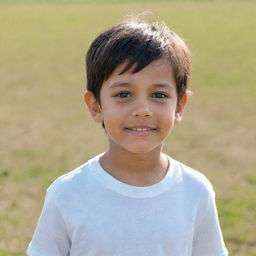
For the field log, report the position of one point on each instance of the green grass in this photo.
(7, 253)
(47, 130)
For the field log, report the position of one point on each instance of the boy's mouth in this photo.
(141, 129)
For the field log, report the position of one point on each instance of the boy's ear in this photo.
(93, 106)
(180, 109)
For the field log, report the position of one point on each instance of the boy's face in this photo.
(138, 109)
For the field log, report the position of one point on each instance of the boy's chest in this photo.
(133, 227)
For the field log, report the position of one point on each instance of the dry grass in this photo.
(46, 130)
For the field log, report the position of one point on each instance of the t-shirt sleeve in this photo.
(208, 238)
(50, 237)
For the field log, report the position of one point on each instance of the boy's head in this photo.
(136, 43)
(137, 78)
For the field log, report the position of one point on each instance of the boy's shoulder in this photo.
(73, 180)
(192, 179)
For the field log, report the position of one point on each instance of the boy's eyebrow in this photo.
(125, 84)
(119, 84)
(163, 85)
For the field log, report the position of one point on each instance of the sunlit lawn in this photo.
(46, 130)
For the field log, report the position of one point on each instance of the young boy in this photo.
(132, 200)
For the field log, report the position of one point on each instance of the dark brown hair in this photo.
(139, 43)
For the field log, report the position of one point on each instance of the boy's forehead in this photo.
(158, 73)
(122, 68)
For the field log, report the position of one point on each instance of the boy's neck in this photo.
(143, 169)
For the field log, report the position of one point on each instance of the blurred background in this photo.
(46, 131)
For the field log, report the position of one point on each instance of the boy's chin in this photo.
(143, 150)
(135, 147)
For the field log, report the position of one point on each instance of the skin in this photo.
(146, 99)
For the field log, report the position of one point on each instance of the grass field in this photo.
(46, 130)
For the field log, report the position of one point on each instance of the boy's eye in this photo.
(123, 95)
(159, 95)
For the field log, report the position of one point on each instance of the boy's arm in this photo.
(50, 237)
(208, 238)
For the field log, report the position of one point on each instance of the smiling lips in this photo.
(141, 130)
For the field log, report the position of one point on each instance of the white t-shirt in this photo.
(87, 212)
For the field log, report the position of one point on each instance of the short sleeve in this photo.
(208, 238)
(50, 237)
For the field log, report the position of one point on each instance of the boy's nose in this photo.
(142, 110)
